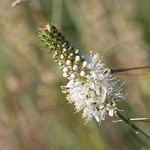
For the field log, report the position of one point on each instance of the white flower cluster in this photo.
(91, 86)
(97, 94)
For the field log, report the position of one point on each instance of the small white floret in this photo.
(71, 54)
(65, 69)
(72, 76)
(60, 63)
(56, 53)
(62, 56)
(82, 56)
(84, 63)
(65, 75)
(75, 67)
(68, 62)
(82, 73)
(77, 58)
(64, 49)
(76, 51)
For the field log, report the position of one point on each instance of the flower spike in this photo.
(91, 87)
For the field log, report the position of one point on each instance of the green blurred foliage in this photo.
(34, 114)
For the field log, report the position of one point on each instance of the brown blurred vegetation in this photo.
(34, 114)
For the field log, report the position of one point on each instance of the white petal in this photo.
(96, 115)
(103, 94)
(111, 112)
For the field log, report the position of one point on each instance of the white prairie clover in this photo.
(91, 87)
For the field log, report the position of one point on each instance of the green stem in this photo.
(128, 122)
(114, 70)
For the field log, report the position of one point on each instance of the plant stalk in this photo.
(134, 127)
(114, 70)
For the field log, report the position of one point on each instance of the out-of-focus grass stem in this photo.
(57, 8)
(76, 16)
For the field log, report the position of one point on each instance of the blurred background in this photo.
(34, 114)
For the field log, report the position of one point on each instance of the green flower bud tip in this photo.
(62, 51)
